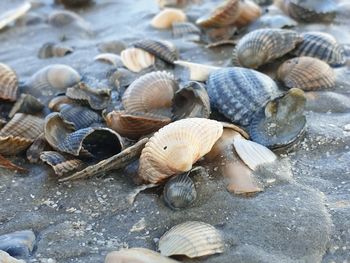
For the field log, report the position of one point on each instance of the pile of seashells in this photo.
(164, 121)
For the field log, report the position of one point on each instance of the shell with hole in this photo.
(139, 255)
(165, 18)
(162, 49)
(8, 83)
(174, 148)
(49, 50)
(136, 59)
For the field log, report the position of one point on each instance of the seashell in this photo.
(139, 255)
(306, 73)
(264, 45)
(56, 102)
(239, 93)
(13, 14)
(273, 21)
(26, 104)
(114, 46)
(322, 46)
(7, 164)
(192, 239)
(81, 117)
(140, 96)
(136, 59)
(109, 58)
(116, 162)
(18, 244)
(175, 147)
(60, 163)
(38, 146)
(224, 15)
(98, 99)
(248, 13)
(122, 77)
(164, 50)
(191, 101)
(134, 125)
(186, 30)
(8, 83)
(57, 76)
(64, 18)
(75, 3)
(50, 49)
(179, 192)
(6, 258)
(165, 18)
(198, 72)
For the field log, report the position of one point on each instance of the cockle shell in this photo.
(306, 73)
(26, 104)
(192, 239)
(8, 83)
(151, 93)
(61, 164)
(248, 13)
(11, 15)
(18, 244)
(109, 58)
(175, 147)
(137, 255)
(264, 45)
(165, 18)
(198, 72)
(322, 46)
(50, 49)
(162, 49)
(136, 59)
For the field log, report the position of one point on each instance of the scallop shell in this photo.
(306, 73)
(82, 117)
(139, 255)
(223, 15)
(239, 93)
(179, 192)
(151, 93)
(248, 13)
(136, 59)
(164, 50)
(192, 239)
(19, 243)
(109, 58)
(191, 101)
(13, 14)
(26, 104)
(75, 3)
(175, 147)
(133, 125)
(322, 46)
(264, 45)
(50, 49)
(8, 83)
(38, 146)
(61, 164)
(198, 72)
(165, 18)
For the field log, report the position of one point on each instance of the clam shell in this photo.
(306, 73)
(139, 255)
(133, 125)
(248, 13)
(192, 239)
(6, 258)
(8, 83)
(56, 103)
(81, 117)
(26, 104)
(136, 59)
(239, 93)
(109, 58)
(264, 45)
(50, 49)
(165, 18)
(13, 14)
(75, 3)
(322, 46)
(19, 243)
(38, 146)
(186, 30)
(61, 164)
(164, 50)
(191, 101)
(179, 192)
(198, 72)
(175, 147)
(151, 93)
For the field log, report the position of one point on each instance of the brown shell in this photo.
(60, 163)
(136, 59)
(50, 49)
(26, 104)
(306, 73)
(137, 255)
(151, 93)
(133, 125)
(175, 147)
(8, 83)
(249, 12)
(165, 18)
(8, 16)
(164, 50)
(192, 239)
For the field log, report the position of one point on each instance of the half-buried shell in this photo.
(137, 255)
(8, 83)
(50, 49)
(136, 59)
(165, 18)
(164, 50)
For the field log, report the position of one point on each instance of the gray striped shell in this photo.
(50, 49)
(264, 45)
(238, 93)
(164, 50)
(60, 163)
(82, 117)
(8, 83)
(322, 46)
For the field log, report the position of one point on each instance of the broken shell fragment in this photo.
(60, 163)
(164, 50)
(18, 244)
(136, 59)
(13, 14)
(198, 72)
(49, 50)
(26, 104)
(8, 83)
(192, 239)
(38, 146)
(109, 58)
(165, 18)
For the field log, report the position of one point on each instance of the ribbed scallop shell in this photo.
(49, 50)
(136, 59)
(151, 93)
(8, 83)
(264, 45)
(239, 93)
(8, 16)
(165, 18)
(322, 46)
(61, 164)
(306, 73)
(26, 104)
(82, 117)
(134, 125)
(137, 255)
(248, 12)
(224, 15)
(164, 50)
(192, 239)
(175, 147)
(179, 192)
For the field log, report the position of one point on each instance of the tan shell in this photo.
(137, 255)
(198, 72)
(49, 50)
(165, 18)
(192, 239)
(8, 83)
(133, 125)
(136, 59)
(109, 58)
(13, 14)
(151, 93)
(306, 73)
(249, 12)
(175, 147)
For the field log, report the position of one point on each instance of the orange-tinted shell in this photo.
(8, 83)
